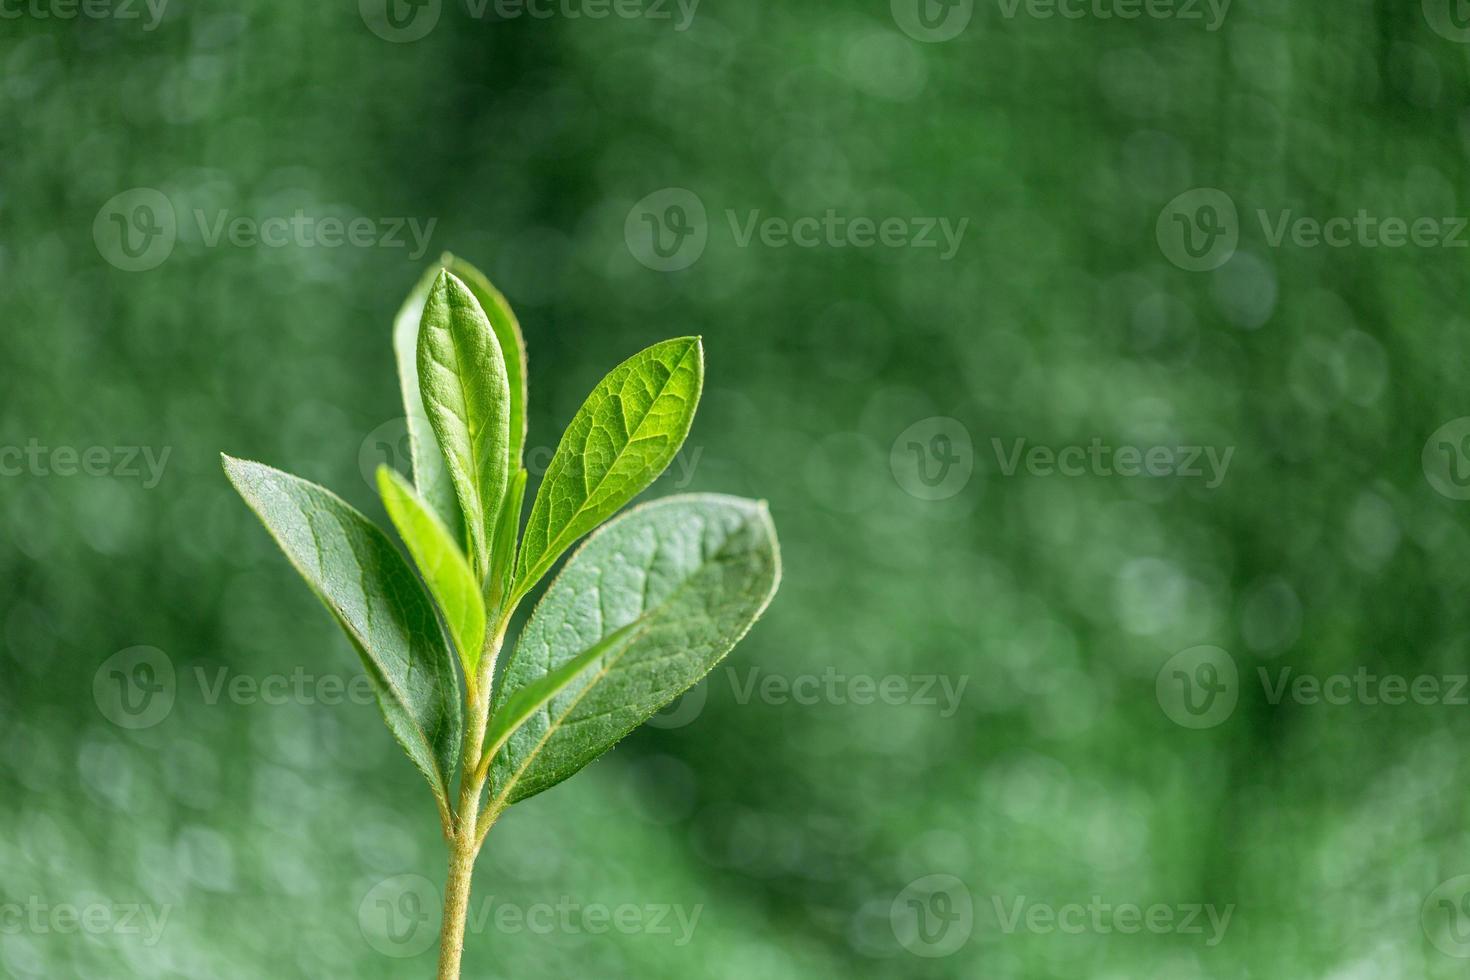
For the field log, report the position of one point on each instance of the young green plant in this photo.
(638, 614)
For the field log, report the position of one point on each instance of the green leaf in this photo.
(441, 563)
(430, 474)
(503, 552)
(512, 346)
(526, 701)
(366, 583)
(463, 383)
(686, 577)
(620, 440)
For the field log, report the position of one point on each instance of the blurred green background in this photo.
(158, 822)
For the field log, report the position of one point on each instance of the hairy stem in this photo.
(456, 906)
(464, 843)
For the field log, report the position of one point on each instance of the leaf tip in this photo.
(385, 477)
(233, 466)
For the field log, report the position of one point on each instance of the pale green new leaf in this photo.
(503, 550)
(624, 435)
(430, 474)
(442, 565)
(685, 577)
(463, 384)
(364, 580)
(512, 345)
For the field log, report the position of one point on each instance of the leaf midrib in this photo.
(458, 372)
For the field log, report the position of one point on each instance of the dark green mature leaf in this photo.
(463, 383)
(443, 566)
(620, 440)
(363, 579)
(685, 577)
(430, 474)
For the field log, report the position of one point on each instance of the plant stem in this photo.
(463, 844)
(456, 904)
